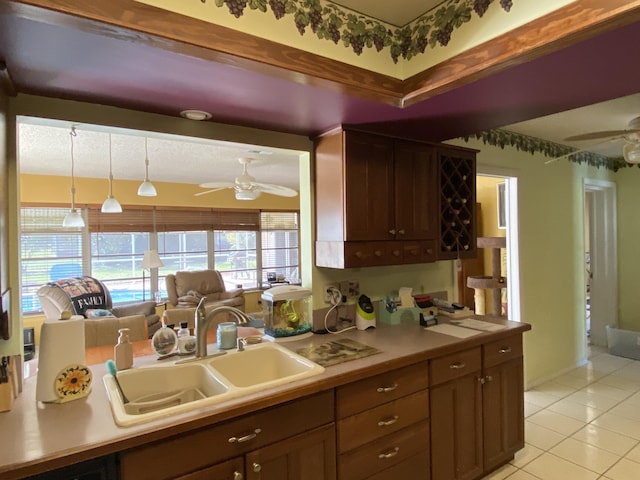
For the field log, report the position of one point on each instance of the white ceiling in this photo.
(45, 148)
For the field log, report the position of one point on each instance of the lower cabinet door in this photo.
(456, 429)
(230, 470)
(503, 412)
(308, 456)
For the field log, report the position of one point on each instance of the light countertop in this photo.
(38, 437)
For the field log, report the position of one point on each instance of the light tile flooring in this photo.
(584, 425)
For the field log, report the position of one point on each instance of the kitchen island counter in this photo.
(41, 437)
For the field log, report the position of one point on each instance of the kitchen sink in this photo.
(157, 391)
(264, 365)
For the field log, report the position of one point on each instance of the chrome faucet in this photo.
(203, 320)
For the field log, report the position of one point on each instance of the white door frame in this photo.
(513, 254)
(603, 229)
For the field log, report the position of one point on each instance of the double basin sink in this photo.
(157, 391)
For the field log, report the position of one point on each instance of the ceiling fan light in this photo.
(247, 195)
(73, 219)
(111, 205)
(631, 152)
(146, 189)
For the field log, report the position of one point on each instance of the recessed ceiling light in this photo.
(195, 115)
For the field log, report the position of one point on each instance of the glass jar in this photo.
(227, 335)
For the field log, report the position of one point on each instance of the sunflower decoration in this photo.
(73, 381)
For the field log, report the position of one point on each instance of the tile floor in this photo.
(584, 425)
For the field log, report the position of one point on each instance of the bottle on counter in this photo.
(123, 350)
(186, 341)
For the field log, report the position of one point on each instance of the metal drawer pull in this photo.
(505, 350)
(257, 467)
(390, 421)
(458, 365)
(237, 476)
(389, 454)
(246, 438)
(387, 389)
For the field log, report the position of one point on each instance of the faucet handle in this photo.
(242, 342)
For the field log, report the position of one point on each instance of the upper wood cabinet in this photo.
(376, 200)
(457, 172)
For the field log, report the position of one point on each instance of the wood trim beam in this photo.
(578, 21)
(133, 21)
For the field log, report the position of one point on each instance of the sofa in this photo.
(186, 288)
(139, 317)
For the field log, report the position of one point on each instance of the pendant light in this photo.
(73, 219)
(111, 205)
(146, 188)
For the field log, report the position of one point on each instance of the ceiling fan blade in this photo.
(209, 191)
(217, 185)
(276, 189)
(599, 135)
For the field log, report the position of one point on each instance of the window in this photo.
(184, 250)
(244, 245)
(48, 252)
(115, 260)
(280, 250)
(234, 256)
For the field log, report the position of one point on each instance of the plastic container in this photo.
(227, 335)
(123, 350)
(288, 313)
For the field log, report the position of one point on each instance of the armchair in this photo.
(185, 289)
(54, 300)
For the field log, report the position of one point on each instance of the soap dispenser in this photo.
(123, 351)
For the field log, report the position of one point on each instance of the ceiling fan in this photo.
(631, 137)
(246, 187)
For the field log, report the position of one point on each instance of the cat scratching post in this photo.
(495, 282)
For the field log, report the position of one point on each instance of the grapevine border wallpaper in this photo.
(332, 22)
(501, 138)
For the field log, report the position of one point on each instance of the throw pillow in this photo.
(98, 313)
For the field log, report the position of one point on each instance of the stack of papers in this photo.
(479, 325)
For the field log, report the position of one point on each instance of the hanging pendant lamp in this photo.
(73, 219)
(146, 188)
(111, 205)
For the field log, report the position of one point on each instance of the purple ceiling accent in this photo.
(60, 61)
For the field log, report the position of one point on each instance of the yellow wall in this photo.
(52, 189)
(628, 181)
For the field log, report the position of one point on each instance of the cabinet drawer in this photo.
(500, 351)
(387, 418)
(455, 365)
(384, 453)
(371, 392)
(211, 445)
(230, 470)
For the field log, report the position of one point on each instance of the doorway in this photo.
(497, 213)
(600, 260)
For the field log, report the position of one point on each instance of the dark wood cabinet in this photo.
(383, 426)
(376, 200)
(477, 409)
(457, 194)
(456, 416)
(254, 446)
(503, 401)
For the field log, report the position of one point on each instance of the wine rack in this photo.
(457, 171)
